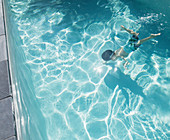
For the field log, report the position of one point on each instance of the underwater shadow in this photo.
(113, 79)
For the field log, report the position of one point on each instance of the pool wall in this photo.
(29, 119)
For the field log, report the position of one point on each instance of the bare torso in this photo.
(119, 53)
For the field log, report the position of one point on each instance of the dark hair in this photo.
(107, 55)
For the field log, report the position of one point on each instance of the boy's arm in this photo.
(126, 63)
(124, 59)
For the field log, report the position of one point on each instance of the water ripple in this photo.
(79, 96)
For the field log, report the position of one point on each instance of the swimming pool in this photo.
(61, 88)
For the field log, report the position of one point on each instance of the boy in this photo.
(123, 52)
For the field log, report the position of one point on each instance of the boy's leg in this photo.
(129, 31)
(148, 38)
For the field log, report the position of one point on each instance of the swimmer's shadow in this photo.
(113, 79)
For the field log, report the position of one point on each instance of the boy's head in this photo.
(107, 55)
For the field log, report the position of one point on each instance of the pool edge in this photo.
(8, 127)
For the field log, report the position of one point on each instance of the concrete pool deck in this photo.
(7, 123)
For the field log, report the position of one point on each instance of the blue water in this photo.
(63, 91)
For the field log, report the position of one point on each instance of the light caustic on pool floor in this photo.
(80, 97)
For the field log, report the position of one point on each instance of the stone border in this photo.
(7, 119)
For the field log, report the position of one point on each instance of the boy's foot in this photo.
(155, 35)
(122, 27)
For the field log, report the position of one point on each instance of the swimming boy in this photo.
(133, 44)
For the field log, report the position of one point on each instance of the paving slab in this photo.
(11, 138)
(1, 20)
(3, 52)
(4, 80)
(7, 129)
(7, 123)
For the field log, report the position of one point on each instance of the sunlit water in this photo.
(79, 96)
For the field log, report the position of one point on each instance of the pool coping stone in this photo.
(7, 119)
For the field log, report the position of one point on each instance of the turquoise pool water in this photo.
(63, 91)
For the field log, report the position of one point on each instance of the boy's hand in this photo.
(125, 64)
(104, 62)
